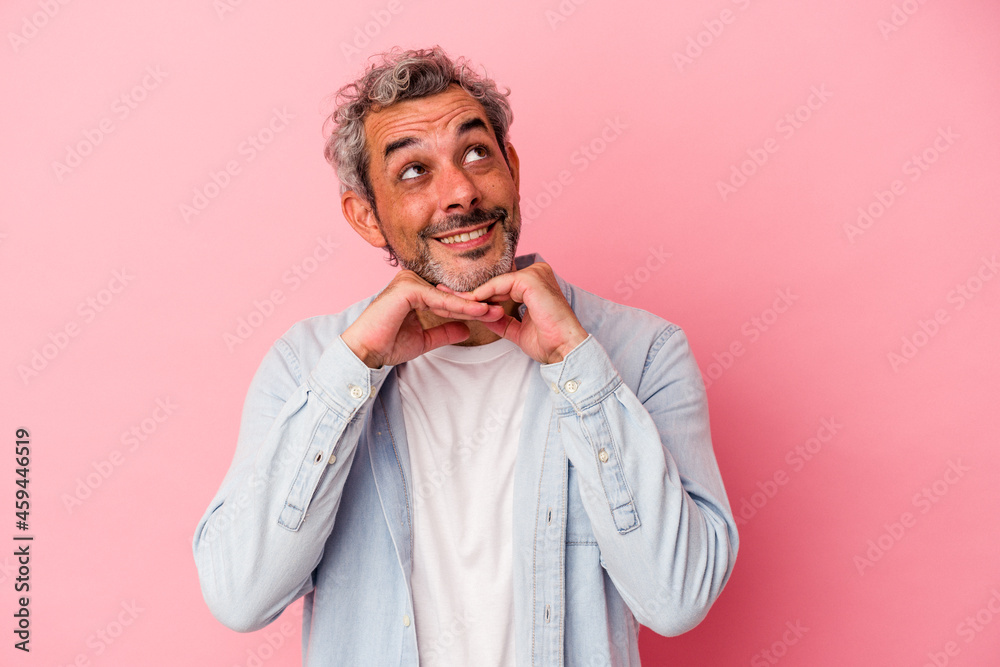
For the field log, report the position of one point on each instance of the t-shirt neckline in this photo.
(473, 354)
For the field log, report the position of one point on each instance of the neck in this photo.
(478, 333)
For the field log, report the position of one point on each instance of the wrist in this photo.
(360, 351)
(568, 346)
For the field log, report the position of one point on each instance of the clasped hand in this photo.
(389, 331)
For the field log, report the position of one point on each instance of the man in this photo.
(482, 464)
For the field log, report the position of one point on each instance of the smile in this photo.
(467, 236)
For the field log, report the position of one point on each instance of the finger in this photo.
(506, 327)
(444, 313)
(461, 295)
(509, 285)
(433, 298)
(445, 334)
(496, 298)
(461, 307)
(493, 313)
(452, 315)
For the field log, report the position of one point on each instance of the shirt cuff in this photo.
(343, 381)
(584, 377)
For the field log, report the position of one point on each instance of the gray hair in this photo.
(403, 75)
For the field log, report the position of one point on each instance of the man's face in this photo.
(436, 172)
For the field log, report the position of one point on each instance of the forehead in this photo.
(443, 111)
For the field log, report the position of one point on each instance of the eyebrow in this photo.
(470, 125)
(464, 128)
(397, 145)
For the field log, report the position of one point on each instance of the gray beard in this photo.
(433, 272)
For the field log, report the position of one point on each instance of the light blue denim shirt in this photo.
(620, 516)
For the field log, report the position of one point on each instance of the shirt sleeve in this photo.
(264, 532)
(648, 479)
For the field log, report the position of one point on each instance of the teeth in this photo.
(461, 238)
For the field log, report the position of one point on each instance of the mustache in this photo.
(459, 220)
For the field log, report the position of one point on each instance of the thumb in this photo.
(448, 333)
(506, 327)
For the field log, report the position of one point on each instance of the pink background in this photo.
(843, 545)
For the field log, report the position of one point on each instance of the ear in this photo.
(515, 166)
(361, 217)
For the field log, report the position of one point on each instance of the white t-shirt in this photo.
(462, 407)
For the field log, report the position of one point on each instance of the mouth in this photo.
(468, 238)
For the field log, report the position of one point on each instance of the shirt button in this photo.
(603, 455)
(333, 459)
(406, 620)
(356, 391)
(372, 392)
(571, 386)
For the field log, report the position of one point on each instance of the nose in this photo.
(456, 190)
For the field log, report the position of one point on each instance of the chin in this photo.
(470, 280)
(475, 274)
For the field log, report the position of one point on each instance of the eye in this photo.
(476, 153)
(413, 170)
